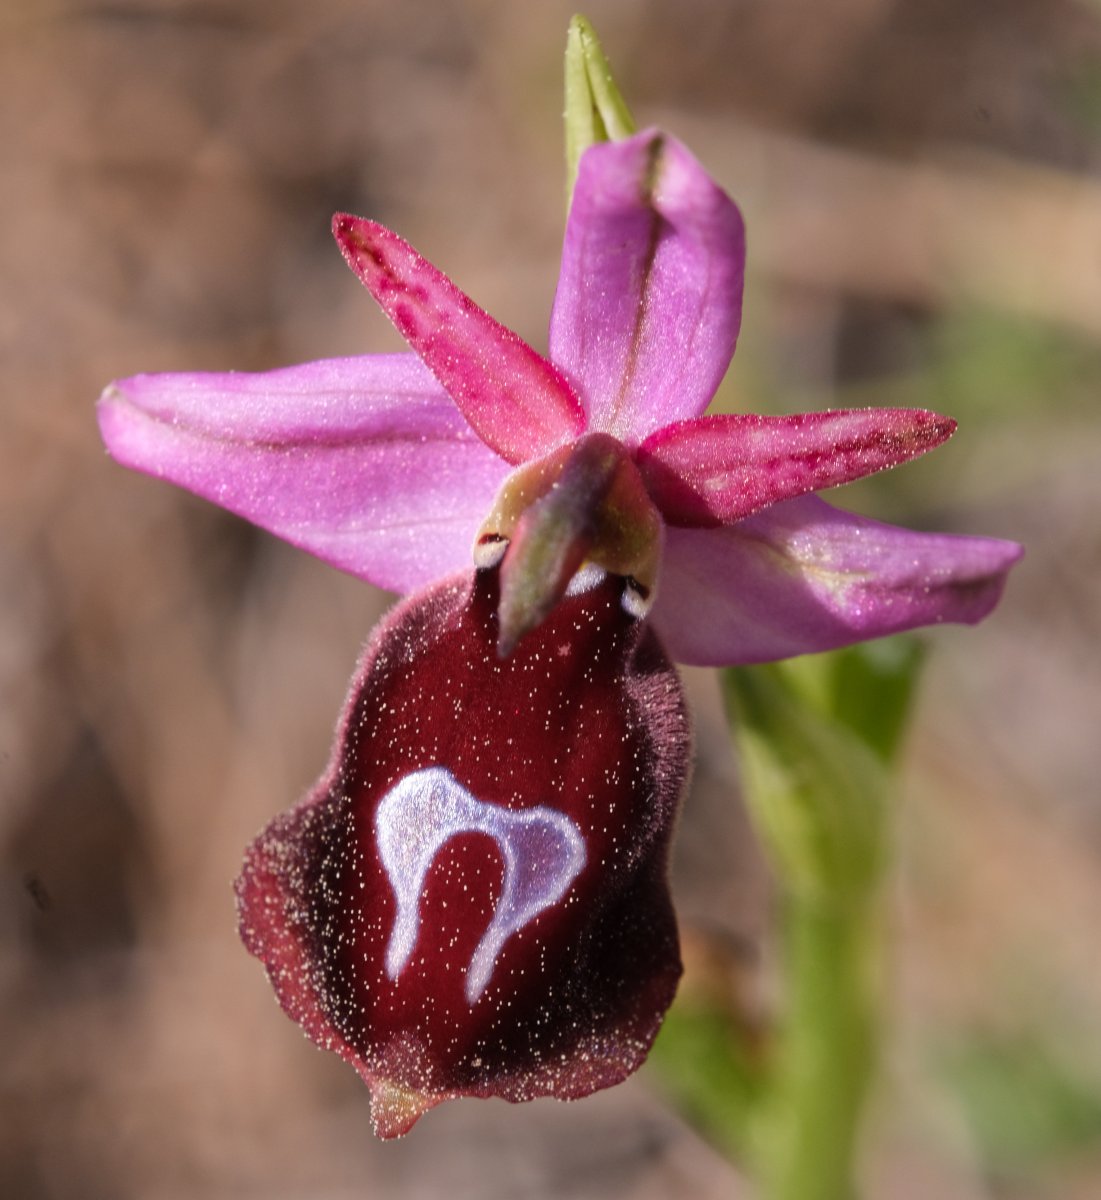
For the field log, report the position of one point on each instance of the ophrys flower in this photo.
(472, 901)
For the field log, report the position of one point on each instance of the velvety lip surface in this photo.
(583, 728)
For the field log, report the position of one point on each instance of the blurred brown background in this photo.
(920, 179)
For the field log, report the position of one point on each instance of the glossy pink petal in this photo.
(718, 469)
(518, 402)
(650, 296)
(803, 576)
(364, 462)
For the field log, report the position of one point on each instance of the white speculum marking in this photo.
(543, 851)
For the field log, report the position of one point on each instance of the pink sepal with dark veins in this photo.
(472, 901)
(649, 299)
(363, 461)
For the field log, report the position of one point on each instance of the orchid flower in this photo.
(472, 900)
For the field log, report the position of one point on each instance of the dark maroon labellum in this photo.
(473, 900)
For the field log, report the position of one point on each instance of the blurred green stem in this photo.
(807, 1135)
(817, 737)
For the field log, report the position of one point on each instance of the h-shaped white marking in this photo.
(542, 848)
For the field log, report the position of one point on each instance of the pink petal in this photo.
(518, 402)
(803, 576)
(364, 462)
(650, 295)
(719, 469)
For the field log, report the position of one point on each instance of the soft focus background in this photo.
(921, 183)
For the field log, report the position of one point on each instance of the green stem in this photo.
(817, 738)
(807, 1138)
